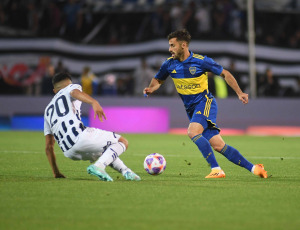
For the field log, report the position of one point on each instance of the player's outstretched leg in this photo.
(128, 174)
(237, 158)
(107, 157)
(207, 152)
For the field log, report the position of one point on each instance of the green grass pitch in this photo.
(180, 198)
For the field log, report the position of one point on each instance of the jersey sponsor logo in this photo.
(174, 71)
(192, 70)
(191, 86)
(194, 86)
(199, 112)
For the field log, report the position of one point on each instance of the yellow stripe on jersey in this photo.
(169, 58)
(190, 86)
(198, 56)
(207, 106)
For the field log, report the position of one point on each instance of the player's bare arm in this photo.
(153, 86)
(230, 80)
(51, 156)
(81, 96)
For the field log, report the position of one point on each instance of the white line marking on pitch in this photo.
(167, 155)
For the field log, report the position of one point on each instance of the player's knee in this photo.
(124, 141)
(218, 147)
(192, 133)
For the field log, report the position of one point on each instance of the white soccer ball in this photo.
(155, 164)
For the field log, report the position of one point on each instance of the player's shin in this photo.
(206, 150)
(110, 155)
(236, 157)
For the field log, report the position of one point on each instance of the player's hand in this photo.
(59, 175)
(147, 91)
(98, 111)
(243, 97)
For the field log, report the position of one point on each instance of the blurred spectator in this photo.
(6, 85)
(89, 81)
(73, 18)
(219, 16)
(17, 15)
(236, 17)
(47, 87)
(297, 92)
(189, 21)
(33, 18)
(217, 86)
(268, 85)
(125, 84)
(60, 68)
(203, 18)
(160, 21)
(176, 15)
(238, 77)
(2, 15)
(142, 76)
(51, 20)
(109, 85)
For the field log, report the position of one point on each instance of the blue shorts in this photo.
(205, 113)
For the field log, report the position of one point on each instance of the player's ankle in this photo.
(100, 165)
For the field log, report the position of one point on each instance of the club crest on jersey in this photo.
(192, 70)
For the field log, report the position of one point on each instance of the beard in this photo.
(179, 54)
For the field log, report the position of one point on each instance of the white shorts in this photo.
(92, 142)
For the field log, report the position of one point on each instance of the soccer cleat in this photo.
(100, 173)
(131, 176)
(216, 173)
(259, 170)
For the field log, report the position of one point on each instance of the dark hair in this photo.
(60, 77)
(180, 35)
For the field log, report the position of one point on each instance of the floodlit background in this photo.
(114, 47)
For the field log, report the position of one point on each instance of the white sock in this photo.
(110, 155)
(119, 165)
(252, 170)
(216, 168)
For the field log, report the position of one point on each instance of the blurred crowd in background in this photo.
(114, 22)
(130, 21)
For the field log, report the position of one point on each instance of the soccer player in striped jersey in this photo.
(189, 73)
(62, 123)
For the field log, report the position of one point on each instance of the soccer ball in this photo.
(155, 164)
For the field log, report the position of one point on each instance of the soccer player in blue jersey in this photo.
(189, 73)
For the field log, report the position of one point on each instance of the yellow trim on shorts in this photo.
(207, 106)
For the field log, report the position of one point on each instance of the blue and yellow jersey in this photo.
(190, 77)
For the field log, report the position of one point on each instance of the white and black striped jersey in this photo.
(62, 118)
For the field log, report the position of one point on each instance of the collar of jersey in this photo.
(191, 55)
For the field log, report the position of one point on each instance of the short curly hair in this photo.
(180, 35)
